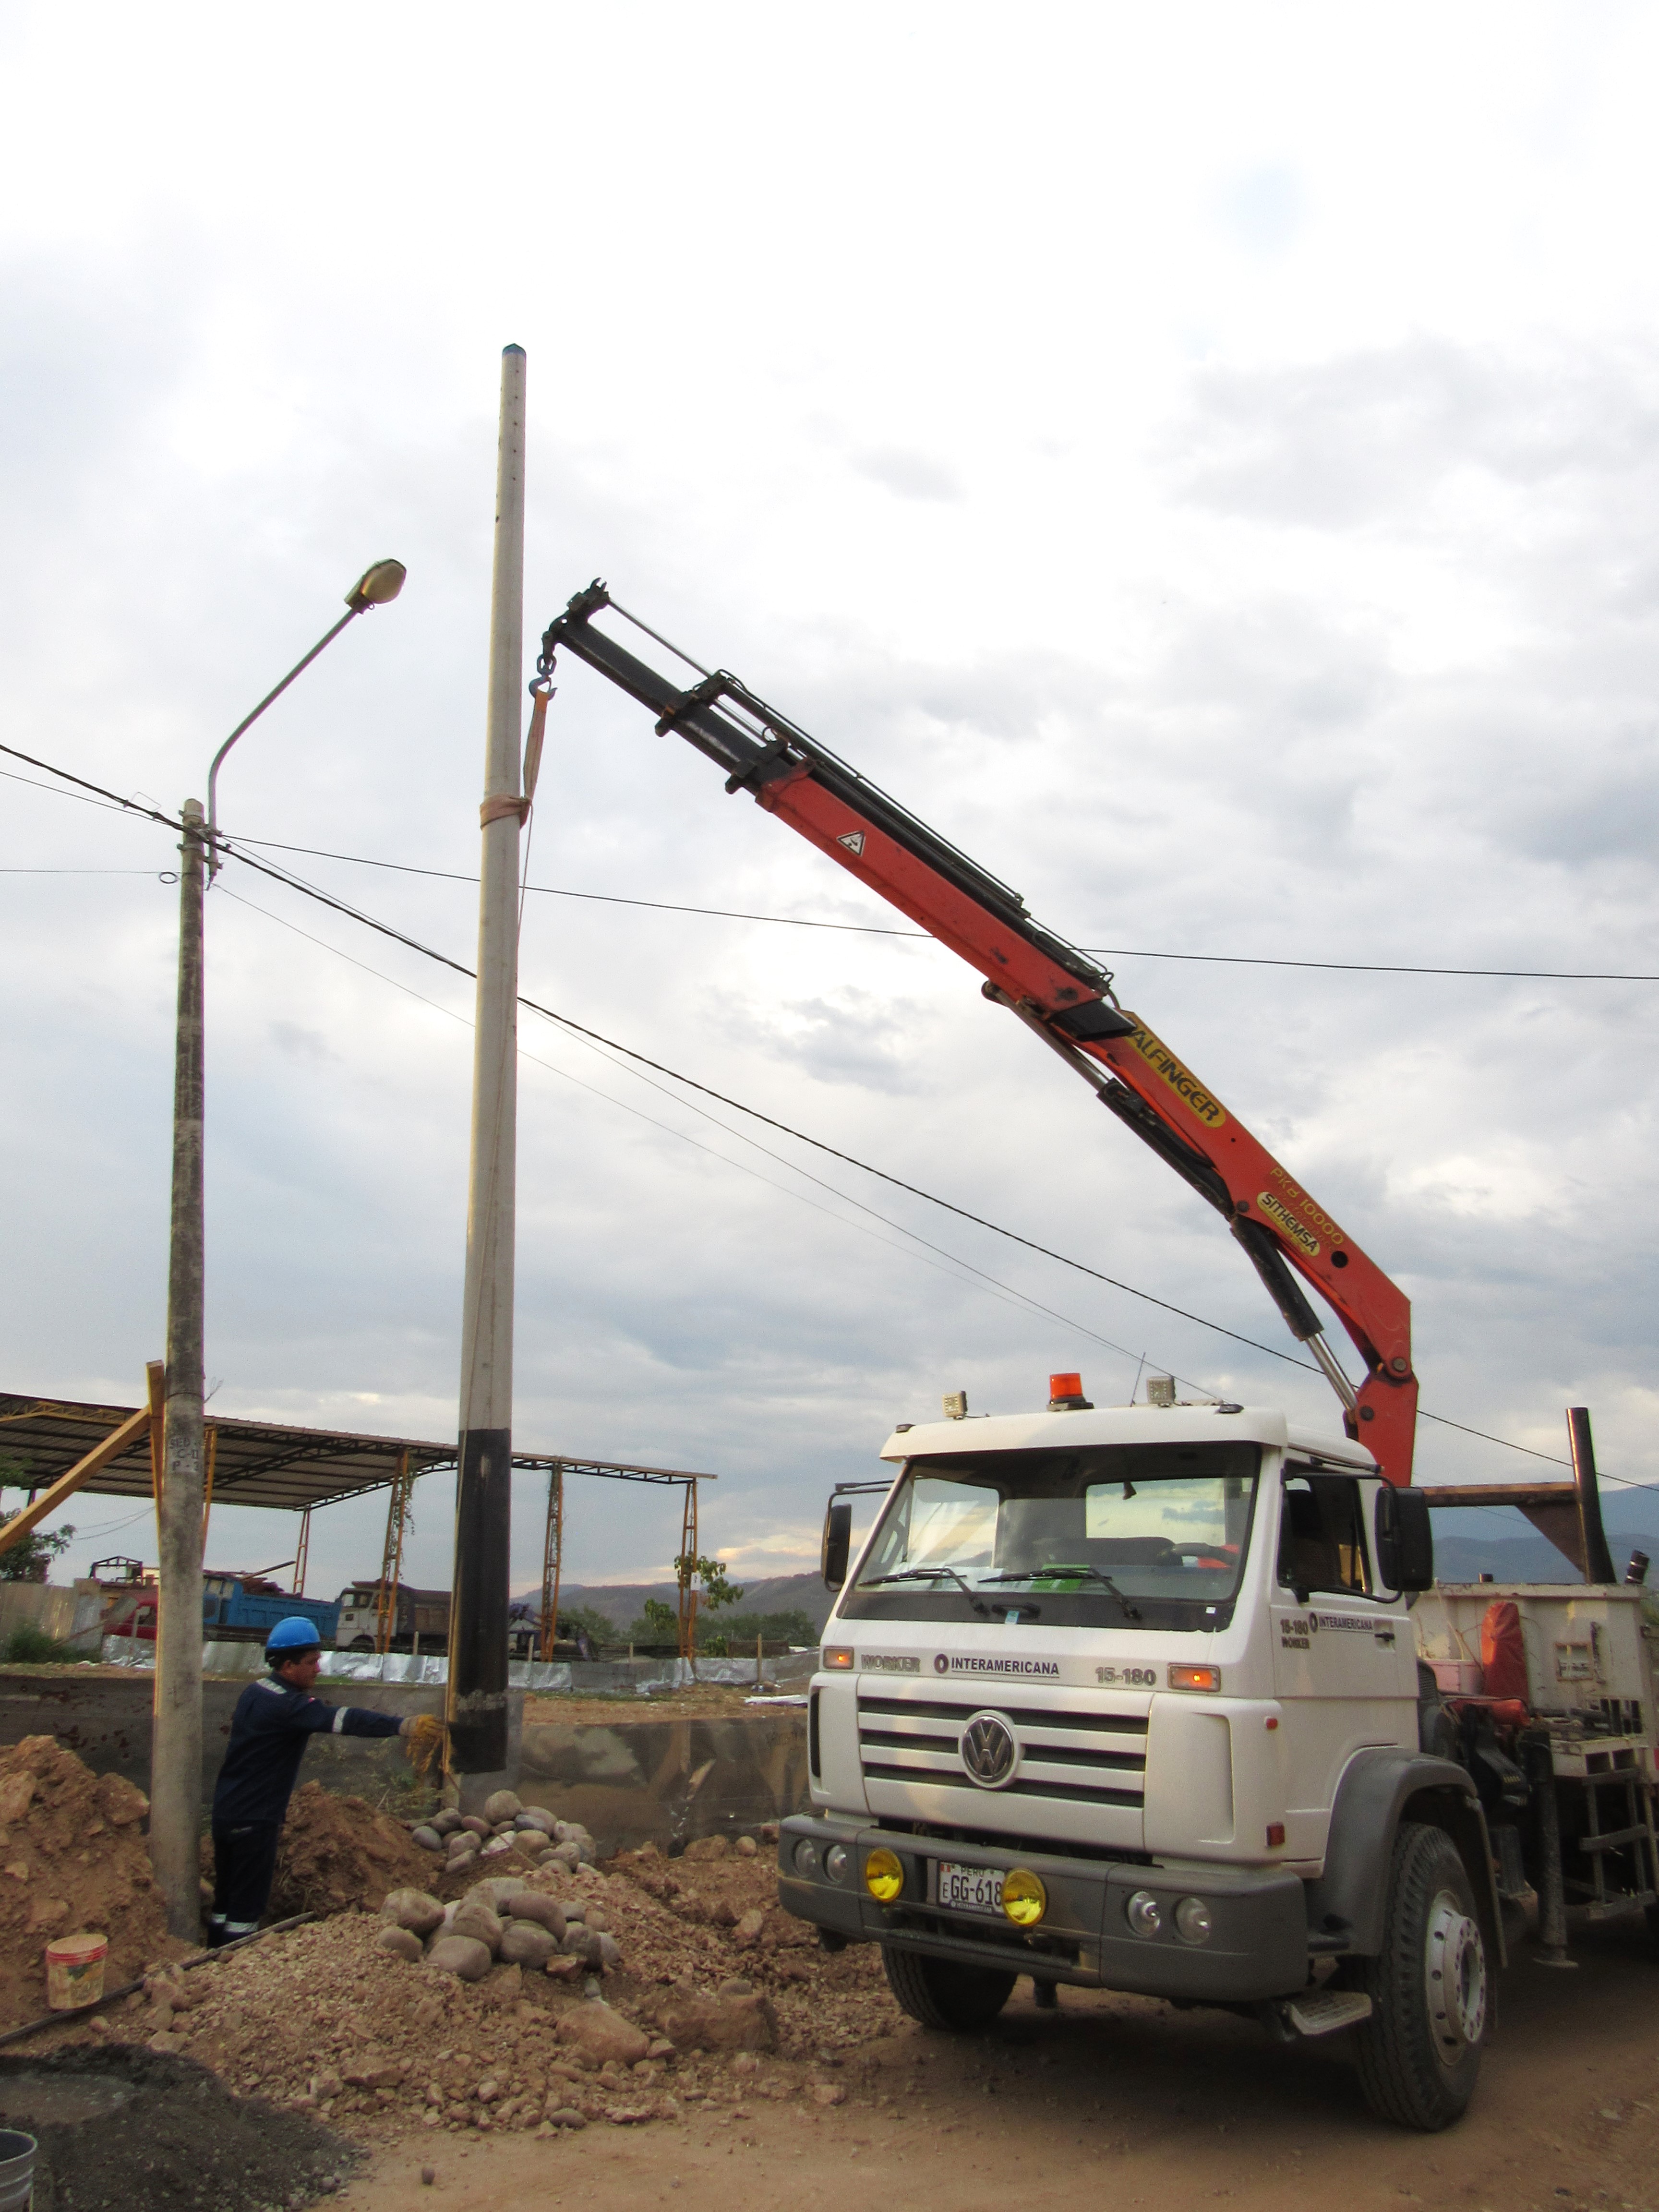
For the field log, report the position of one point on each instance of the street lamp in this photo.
(376, 587)
(176, 1755)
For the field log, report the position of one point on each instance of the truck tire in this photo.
(940, 1993)
(1430, 1988)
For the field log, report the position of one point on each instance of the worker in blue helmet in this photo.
(269, 1730)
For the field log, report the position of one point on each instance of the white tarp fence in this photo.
(533, 1675)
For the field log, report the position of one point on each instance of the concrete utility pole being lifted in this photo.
(476, 1709)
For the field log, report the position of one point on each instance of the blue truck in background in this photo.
(244, 1608)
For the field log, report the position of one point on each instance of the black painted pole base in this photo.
(477, 1706)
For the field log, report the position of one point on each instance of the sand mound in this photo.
(337, 1852)
(72, 1855)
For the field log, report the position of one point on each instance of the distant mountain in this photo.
(1457, 1559)
(624, 1602)
(1521, 1558)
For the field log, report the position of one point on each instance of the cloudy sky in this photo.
(1202, 461)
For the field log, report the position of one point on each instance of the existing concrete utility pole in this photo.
(477, 1705)
(175, 1812)
(176, 1755)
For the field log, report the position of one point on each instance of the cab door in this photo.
(1343, 1662)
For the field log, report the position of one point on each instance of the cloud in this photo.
(1266, 209)
(907, 475)
(1338, 645)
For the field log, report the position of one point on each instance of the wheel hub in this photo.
(1456, 1977)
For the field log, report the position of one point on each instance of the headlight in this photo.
(1023, 1898)
(836, 1860)
(883, 1875)
(1144, 1913)
(1194, 1921)
(807, 1858)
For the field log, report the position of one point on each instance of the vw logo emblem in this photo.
(989, 1751)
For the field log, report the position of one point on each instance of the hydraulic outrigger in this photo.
(1057, 991)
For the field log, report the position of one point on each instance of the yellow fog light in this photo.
(883, 1875)
(1023, 1898)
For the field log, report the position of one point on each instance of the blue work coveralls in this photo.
(268, 1731)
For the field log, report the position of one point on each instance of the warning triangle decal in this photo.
(853, 841)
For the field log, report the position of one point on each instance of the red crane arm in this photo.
(1059, 992)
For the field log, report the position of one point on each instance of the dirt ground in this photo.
(1158, 2108)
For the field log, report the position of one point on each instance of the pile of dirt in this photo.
(72, 1856)
(178, 2139)
(717, 1996)
(337, 1853)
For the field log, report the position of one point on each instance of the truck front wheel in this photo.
(940, 1993)
(1431, 1990)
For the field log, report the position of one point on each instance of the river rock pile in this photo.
(538, 1922)
(507, 1835)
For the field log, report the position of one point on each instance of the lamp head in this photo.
(377, 586)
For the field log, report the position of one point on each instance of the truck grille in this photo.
(1081, 1754)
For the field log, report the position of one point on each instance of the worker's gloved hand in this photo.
(420, 1725)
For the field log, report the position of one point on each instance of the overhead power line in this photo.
(430, 952)
(877, 929)
(865, 928)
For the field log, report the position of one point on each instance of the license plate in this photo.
(970, 1888)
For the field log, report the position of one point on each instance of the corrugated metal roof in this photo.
(264, 1463)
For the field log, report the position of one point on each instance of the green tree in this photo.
(794, 1626)
(587, 1620)
(657, 1624)
(29, 1559)
(716, 1591)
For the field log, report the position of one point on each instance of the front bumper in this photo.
(1258, 1948)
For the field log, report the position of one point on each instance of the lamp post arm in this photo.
(247, 722)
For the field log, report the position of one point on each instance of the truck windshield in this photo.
(1149, 1536)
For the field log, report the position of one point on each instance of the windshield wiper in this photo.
(930, 1573)
(1058, 1573)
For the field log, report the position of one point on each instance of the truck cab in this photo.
(1128, 1698)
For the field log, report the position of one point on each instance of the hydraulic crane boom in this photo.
(1056, 990)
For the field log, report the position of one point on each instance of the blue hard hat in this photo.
(296, 1633)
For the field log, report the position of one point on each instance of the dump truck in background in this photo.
(120, 1597)
(418, 1622)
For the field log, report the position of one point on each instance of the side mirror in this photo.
(837, 1542)
(1405, 1539)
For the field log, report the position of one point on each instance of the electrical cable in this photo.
(874, 929)
(849, 928)
(430, 952)
(1007, 1290)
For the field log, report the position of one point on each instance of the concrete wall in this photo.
(36, 1605)
(632, 1781)
(664, 1781)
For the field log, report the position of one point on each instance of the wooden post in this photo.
(302, 1553)
(206, 1497)
(47, 1501)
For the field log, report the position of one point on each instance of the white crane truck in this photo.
(1163, 1697)
(1145, 1698)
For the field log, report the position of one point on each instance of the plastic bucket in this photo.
(17, 2153)
(75, 1973)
